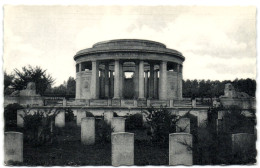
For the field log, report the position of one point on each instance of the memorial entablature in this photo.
(129, 69)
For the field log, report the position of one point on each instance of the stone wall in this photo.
(24, 100)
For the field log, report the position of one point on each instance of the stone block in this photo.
(20, 115)
(60, 119)
(108, 116)
(80, 114)
(183, 125)
(122, 149)
(88, 131)
(118, 124)
(244, 147)
(180, 149)
(13, 147)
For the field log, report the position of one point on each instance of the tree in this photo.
(71, 86)
(8, 81)
(32, 74)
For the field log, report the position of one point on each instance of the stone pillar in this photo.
(163, 81)
(108, 116)
(102, 83)
(64, 102)
(111, 84)
(88, 131)
(122, 149)
(117, 80)
(141, 80)
(106, 77)
(156, 84)
(146, 84)
(179, 153)
(121, 77)
(95, 80)
(193, 103)
(13, 147)
(80, 114)
(20, 121)
(202, 118)
(151, 81)
(60, 119)
(136, 79)
(183, 125)
(118, 124)
(80, 67)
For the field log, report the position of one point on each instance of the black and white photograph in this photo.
(129, 85)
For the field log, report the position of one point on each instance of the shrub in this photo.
(89, 114)
(134, 121)
(115, 114)
(160, 123)
(10, 115)
(38, 127)
(69, 116)
(103, 131)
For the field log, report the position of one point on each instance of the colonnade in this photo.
(110, 82)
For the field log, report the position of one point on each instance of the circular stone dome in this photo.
(129, 42)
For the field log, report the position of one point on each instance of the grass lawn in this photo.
(67, 150)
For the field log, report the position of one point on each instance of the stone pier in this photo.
(118, 124)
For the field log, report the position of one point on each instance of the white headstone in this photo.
(88, 130)
(244, 146)
(122, 149)
(118, 124)
(180, 149)
(60, 119)
(183, 125)
(13, 147)
(80, 114)
(108, 115)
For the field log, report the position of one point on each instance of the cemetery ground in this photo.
(68, 150)
(211, 145)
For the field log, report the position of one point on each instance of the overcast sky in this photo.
(217, 42)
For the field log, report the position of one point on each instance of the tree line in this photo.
(18, 80)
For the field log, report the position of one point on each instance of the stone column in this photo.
(80, 67)
(88, 131)
(141, 80)
(146, 84)
(163, 81)
(95, 80)
(151, 81)
(136, 79)
(80, 114)
(102, 83)
(13, 147)
(111, 84)
(108, 116)
(179, 153)
(183, 125)
(178, 70)
(106, 77)
(121, 76)
(117, 80)
(60, 119)
(156, 84)
(118, 124)
(122, 149)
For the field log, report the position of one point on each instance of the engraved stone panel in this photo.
(13, 147)
(88, 130)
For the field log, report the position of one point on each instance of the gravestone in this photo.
(88, 131)
(180, 149)
(118, 124)
(108, 116)
(183, 125)
(122, 149)
(13, 147)
(60, 119)
(244, 147)
(80, 114)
